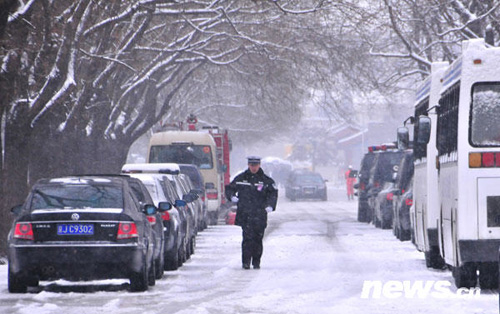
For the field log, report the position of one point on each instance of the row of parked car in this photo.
(133, 225)
(384, 189)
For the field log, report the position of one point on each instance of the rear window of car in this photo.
(194, 175)
(77, 196)
(366, 165)
(308, 178)
(387, 164)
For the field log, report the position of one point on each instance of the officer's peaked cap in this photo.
(253, 159)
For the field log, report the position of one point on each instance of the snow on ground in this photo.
(317, 258)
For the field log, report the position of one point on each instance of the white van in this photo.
(191, 147)
(426, 210)
(468, 165)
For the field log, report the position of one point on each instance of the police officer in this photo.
(256, 195)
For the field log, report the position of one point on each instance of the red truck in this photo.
(224, 147)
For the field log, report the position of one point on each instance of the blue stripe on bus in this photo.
(455, 72)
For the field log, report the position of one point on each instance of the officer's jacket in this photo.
(255, 192)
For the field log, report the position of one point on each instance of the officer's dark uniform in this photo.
(255, 192)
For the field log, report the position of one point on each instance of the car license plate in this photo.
(75, 229)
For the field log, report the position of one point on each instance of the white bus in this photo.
(190, 147)
(468, 163)
(425, 210)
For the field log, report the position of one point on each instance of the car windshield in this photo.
(308, 178)
(199, 155)
(81, 196)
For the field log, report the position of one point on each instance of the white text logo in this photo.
(394, 289)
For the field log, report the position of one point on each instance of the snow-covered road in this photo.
(317, 258)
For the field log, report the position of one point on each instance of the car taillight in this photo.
(362, 186)
(212, 194)
(484, 160)
(127, 230)
(390, 196)
(152, 219)
(24, 231)
(165, 216)
(409, 201)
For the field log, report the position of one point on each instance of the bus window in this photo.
(485, 115)
(447, 123)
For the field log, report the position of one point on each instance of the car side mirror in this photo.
(16, 210)
(189, 198)
(424, 130)
(197, 191)
(403, 137)
(149, 209)
(180, 203)
(164, 206)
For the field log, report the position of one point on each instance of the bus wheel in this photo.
(433, 258)
(465, 275)
(488, 275)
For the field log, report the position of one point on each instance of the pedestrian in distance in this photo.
(256, 195)
(350, 179)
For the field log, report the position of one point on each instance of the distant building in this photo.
(353, 141)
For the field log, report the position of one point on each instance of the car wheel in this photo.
(188, 250)
(405, 235)
(16, 284)
(180, 259)
(172, 263)
(182, 255)
(139, 281)
(362, 212)
(159, 267)
(192, 245)
(152, 273)
(386, 224)
(433, 258)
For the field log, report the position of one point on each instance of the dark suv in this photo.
(361, 186)
(385, 167)
(305, 184)
(403, 198)
(384, 202)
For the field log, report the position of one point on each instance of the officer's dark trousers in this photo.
(251, 247)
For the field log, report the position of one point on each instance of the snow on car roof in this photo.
(78, 210)
(78, 180)
(151, 167)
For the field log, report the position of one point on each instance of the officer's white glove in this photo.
(269, 209)
(234, 199)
